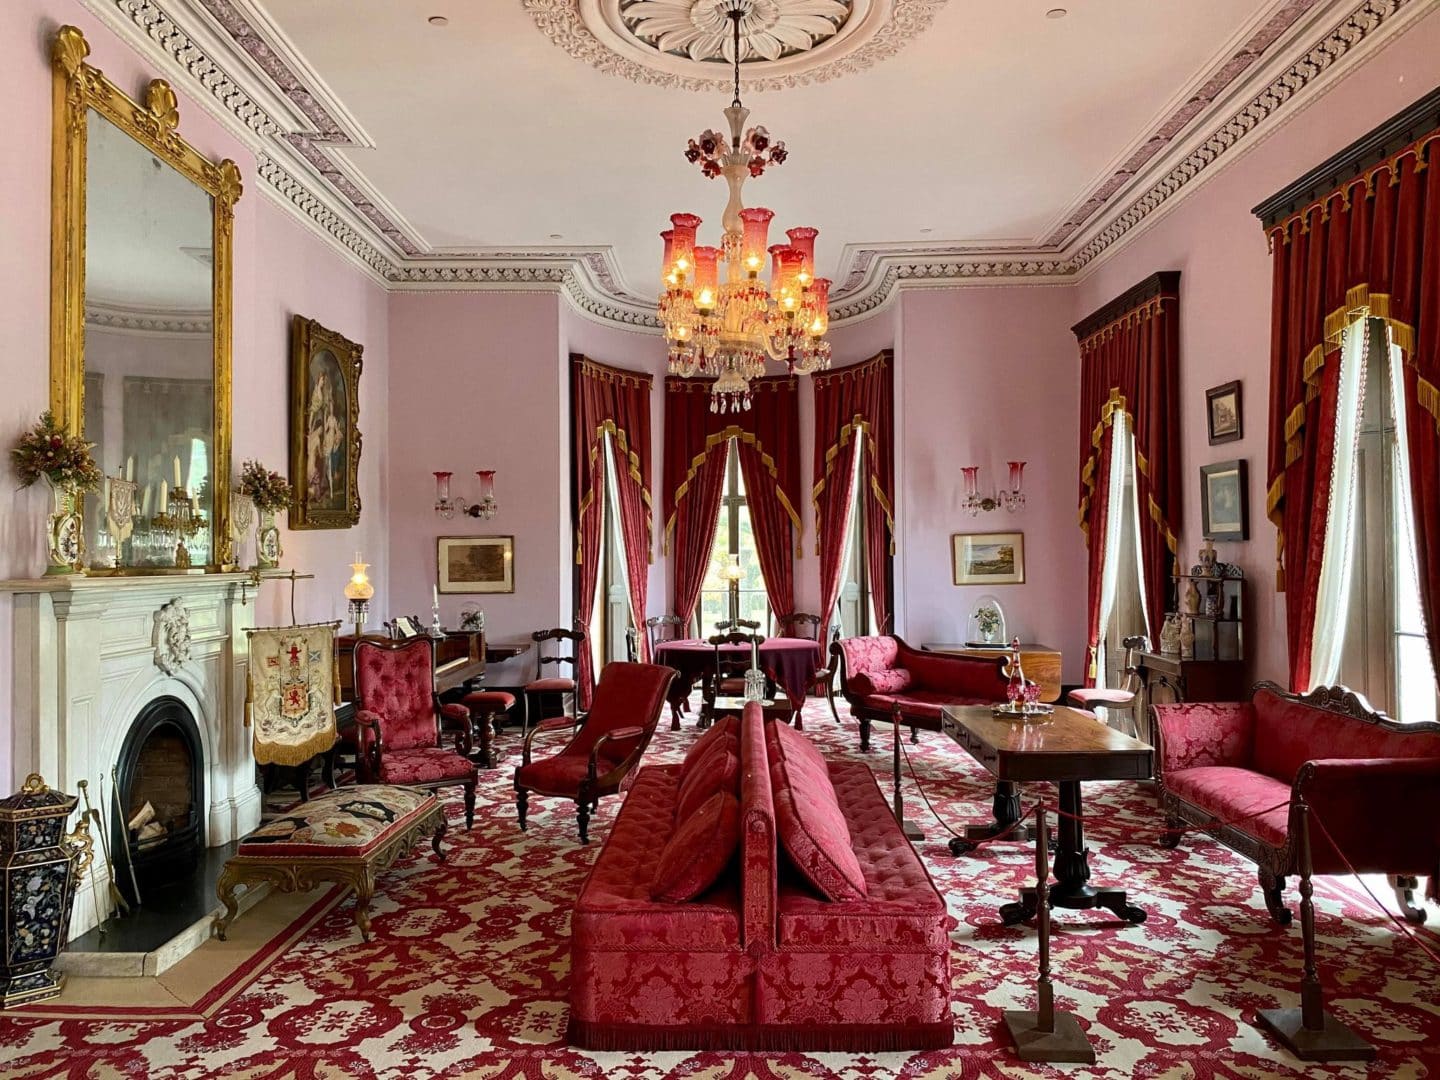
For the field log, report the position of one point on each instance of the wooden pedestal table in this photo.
(1067, 747)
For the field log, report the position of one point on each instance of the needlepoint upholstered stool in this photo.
(346, 836)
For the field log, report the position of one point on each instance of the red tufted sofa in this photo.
(1373, 783)
(879, 673)
(761, 959)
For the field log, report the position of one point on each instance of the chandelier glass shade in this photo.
(727, 323)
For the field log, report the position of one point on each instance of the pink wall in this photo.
(279, 268)
(480, 382)
(1219, 247)
(987, 376)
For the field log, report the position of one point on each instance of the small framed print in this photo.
(476, 564)
(1222, 413)
(988, 558)
(1225, 501)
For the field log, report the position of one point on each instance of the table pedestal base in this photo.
(1065, 1042)
(1006, 810)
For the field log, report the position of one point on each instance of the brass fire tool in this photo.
(117, 899)
(120, 816)
(1310, 1032)
(1046, 1034)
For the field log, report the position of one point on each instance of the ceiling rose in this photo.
(686, 44)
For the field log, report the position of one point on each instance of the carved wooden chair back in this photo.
(660, 628)
(395, 680)
(801, 624)
(556, 654)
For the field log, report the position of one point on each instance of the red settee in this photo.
(1373, 783)
(879, 673)
(760, 960)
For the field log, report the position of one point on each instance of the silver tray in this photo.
(1027, 714)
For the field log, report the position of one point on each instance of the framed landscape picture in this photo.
(324, 427)
(476, 564)
(988, 558)
(1223, 419)
(1224, 501)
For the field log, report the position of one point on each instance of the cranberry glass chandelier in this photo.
(727, 329)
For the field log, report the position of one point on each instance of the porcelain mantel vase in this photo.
(40, 869)
(65, 532)
(267, 542)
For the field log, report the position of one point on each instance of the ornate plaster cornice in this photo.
(131, 319)
(256, 85)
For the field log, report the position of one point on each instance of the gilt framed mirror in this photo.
(140, 319)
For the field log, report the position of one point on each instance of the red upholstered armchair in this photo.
(397, 721)
(879, 673)
(602, 751)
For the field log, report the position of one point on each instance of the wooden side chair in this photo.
(660, 628)
(558, 688)
(602, 751)
(801, 624)
(1122, 700)
(398, 717)
(727, 677)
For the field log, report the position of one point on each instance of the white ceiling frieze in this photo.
(297, 169)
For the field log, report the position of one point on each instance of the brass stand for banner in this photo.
(1047, 1033)
(1311, 1033)
(911, 830)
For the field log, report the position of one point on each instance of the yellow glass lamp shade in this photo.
(359, 587)
(733, 570)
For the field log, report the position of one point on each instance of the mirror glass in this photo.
(149, 356)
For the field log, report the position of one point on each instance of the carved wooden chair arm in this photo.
(554, 723)
(456, 718)
(619, 733)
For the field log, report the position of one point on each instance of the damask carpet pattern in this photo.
(467, 972)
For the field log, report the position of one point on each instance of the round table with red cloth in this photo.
(790, 662)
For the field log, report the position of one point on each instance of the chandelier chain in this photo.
(736, 13)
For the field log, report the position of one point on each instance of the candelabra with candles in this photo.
(1011, 498)
(448, 506)
(178, 518)
(358, 591)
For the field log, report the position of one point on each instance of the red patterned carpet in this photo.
(467, 973)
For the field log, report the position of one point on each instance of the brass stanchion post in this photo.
(1046, 1034)
(911, 830)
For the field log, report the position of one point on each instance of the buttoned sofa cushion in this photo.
(344, 823)
(699, 850)
(808, 818)
(716, 771)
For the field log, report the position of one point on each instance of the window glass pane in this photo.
(1415, 690)
(734, 522)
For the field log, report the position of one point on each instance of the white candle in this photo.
(435, 596)
(130, 467)
(145, 503)
(164, 496)
(178, 482)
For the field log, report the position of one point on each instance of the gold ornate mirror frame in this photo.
(78, 87)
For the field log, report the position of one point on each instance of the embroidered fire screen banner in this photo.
(292, 691)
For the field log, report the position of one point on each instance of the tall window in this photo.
(734, 539)
(852, 607)
(1369, 631)
(1122, 597)
(611, 617)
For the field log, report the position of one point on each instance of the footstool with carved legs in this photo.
(346, 836)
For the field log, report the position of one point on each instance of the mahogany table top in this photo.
(1067, 745)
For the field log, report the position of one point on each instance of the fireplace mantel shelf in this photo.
(181, 580)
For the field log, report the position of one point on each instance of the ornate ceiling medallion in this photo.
(685, 44)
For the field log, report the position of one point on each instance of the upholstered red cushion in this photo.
(424, 765)
(726, 727)
(397, 685)
(550, 686)
(717, 771)
(347, 823)
(1232, 794)
(808, 818)
(1087, 697)
(700, 849)
(489, 701)
(957, 676)
(1289, 733)
(885, 681)
(921, 704)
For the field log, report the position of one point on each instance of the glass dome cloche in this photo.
(987, 628)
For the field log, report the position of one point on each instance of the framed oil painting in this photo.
(1224, 501)
(988, 558)
(476, 564)
(1223, 419)
(324, 427)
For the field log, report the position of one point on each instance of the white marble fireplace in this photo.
(91, 652)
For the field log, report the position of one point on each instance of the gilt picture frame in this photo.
(475, 564)
(996, 558)
(325, 436)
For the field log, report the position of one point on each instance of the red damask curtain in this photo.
(856, 403)
(1368, 248)
(767, 435)
(1130, 364)
(613, 401)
